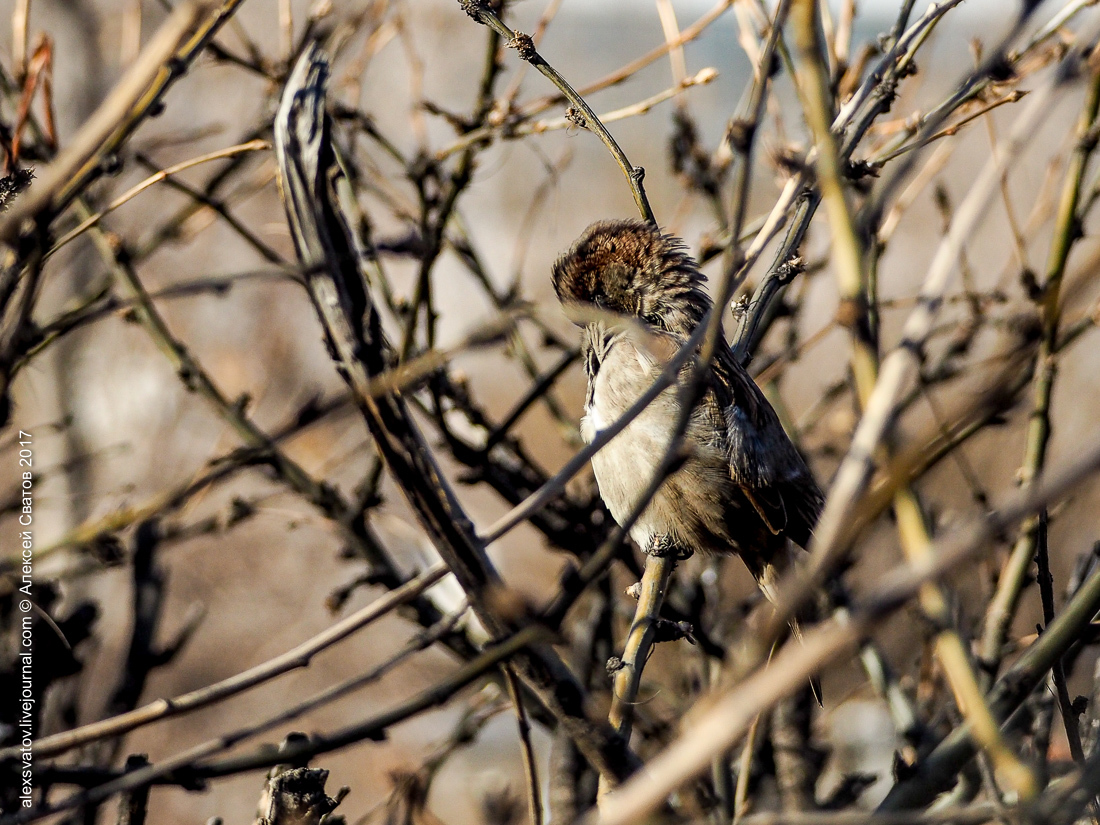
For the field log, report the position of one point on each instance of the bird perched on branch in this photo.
(742, 487)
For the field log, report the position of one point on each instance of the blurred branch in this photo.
(899, 366)
(937, 772)
(85, 225)
(196, 379)
(729, 715)
(296, 797)
(853, 313)
(530, 768)
(185, 768)
(164, 60)
(1067, 230)
(133, 807)
(298, 657)
(973, 814)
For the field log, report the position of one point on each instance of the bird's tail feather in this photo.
(767, 577)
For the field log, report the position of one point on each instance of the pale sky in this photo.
(692, 7)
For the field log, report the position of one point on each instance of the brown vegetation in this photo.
(300, 412)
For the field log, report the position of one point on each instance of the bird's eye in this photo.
(600, 301)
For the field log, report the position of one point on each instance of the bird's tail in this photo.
(767, 578)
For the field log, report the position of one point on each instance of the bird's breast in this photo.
(692, 505)
(625, 467)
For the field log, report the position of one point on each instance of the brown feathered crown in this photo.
(628, 267)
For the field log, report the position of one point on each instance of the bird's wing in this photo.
(762, 459)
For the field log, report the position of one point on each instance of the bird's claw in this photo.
(664, 546)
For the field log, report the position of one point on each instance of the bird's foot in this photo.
(664, 546)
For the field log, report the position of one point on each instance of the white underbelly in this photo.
(625, 467)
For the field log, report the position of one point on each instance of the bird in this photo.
(742, 487)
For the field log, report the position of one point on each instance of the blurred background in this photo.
(115, 427)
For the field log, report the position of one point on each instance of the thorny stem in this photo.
(536, 107)
(523, 44)
(540, 127)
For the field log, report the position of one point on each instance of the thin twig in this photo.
(530, 768)
(129, 194)
(297, 657)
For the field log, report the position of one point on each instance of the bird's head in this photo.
(628, 267)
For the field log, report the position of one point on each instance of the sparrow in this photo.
(743, 487)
